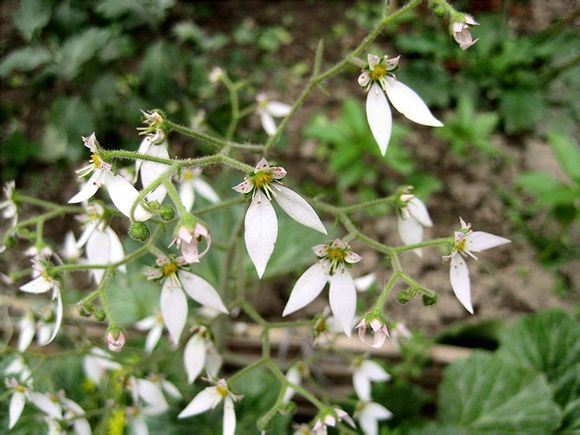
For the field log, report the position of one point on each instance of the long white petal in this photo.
(151, 393)
(374, 371)
(268, 123)
(410, 104)
(229, 417)
(123, 195)
(368, 425)
(17, 403)
(46, 405)
(307, 288)
(59, 310)
(207, 399)
(88, 190)
(205, 190)
(98, 251)
(343, 299)
(362, 385)
(153, 338)
(418, 210)
(298, 209)
(194, 357)
(173, 308)
(82, 426)
(363, 283)
(213, 361)
(27, 329)
(201, 291)
(379, 117)
(459, 276)
(293, 375)
(411, 232)
(187, 195)
(91, 226)
(117, 251)
(143, 147)
(37, 285)
(138, 426)
(150, 171)
(171, 389)
(261, 231)
(480, 241)
(377, 411)
(278, 109)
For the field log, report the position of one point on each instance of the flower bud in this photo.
(430, 299)
(139, 231)
(9, 242)
(100, 315)
(154, 205)
(378, 325)
(404, 296)
(115, 339)
(167, 213)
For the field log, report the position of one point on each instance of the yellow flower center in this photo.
(187, 176)
(222, 391)
(336, 255)
(262, 179)
(97, 162)
(169, 269)
(45, 275)
(378, 72)
(20, 389)
(460, 246)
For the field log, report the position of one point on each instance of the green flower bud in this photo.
(403, 297)
(100, 315)
(167, 213)
(154, 205)
(430, 299)
(9, 242)
(139, 231)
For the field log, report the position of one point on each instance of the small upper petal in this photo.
(379, 116)
(343, 299)
(307, 288)
(410, 104)
(460, 283)
(298, 209)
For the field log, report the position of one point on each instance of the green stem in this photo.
(172, 192)
(425, 244)
(235, 108)
(241, 373)
(154, 185)
(384, 296)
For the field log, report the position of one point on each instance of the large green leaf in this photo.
(487, 394)
(567, 154)
(548, 343)
(25, 59)
(32, 16)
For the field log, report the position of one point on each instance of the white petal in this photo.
(368, 425)
(187, 195)
(278, 109)
(37, 285)
(171, 389)
(459, 276)
(201, 291)
(194, 357)
(146, 323)
(90, 227)
(343, 299)
(205, 190)
(138, 426)
(173, 308)
(417, 209)
(17, 403)
(123, 195)
(298, 209)
(268, 123)
(377, 411)
(151, 394)
(59, 313)
(410, 104)
(206, 399)
(98, 251)
(150, 171)
(362, 385)
(379, 116)
(374, 371)
(363, 283)
(480, 241)
(117, 251)
(82, 427)
(46, 405)
(411, 232)
(261, 231)
(229, 417)
(88, 190)
(307, 288)
(213, 361)
(27, 329)
(153, 338)
(143, 147)
(293, 376)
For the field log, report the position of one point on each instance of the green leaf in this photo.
(31, 17)
(548, 343)
(537, 183)
(521, 109)
(486, 394)
(24, 59)
(567, 154)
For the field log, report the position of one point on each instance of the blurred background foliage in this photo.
(71, 67)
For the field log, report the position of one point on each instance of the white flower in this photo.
(378, 328)
(151, 392)
(103, 246)
(467, 242)
(378, 78)
(369, 414)
(17, 401)
(364, 372)
(173, 301)
(153, 324)
(154, 145)
(43, 283)
(27, 328)
(413, 216)
(47, 403)
(122, 193)
(188, 238)
(332, 268)
(461, 33)
(268, 110)
(8, 206)
(39, 252)
(97, 362)
(216, 74)
(191, 182)
(261, 224)
(74, 413)
(328, 419)
(137, 421)
(199, 354)
(208, 399)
